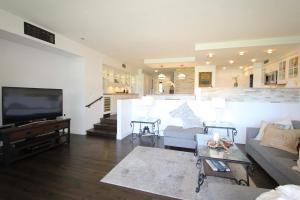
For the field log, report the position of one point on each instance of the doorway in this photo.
(251, 81)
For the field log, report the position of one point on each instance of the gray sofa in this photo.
(275, 162)
(177, 136)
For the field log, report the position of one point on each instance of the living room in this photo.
(144, 100)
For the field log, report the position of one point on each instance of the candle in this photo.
(216, 137)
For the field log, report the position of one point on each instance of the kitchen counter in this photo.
(173, 96)
(120, 94)
(114, 97)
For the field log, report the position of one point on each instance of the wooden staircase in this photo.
(106, 128)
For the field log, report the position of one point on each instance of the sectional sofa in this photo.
(277, 163)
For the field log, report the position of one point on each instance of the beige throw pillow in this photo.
(283, 124)
(286, 140)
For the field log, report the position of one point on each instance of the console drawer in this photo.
(18, 135)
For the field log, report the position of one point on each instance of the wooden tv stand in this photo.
(27, 140)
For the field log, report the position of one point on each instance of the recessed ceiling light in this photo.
(269, 51)
(253, 60)
(224, 68)
(210, 55)
(242, 53)
(207, 62)
(241, 67)
(156, 71)
(231, 61)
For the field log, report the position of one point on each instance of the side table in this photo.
(152, 131)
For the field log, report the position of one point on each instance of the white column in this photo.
(257, 75)
(140, 82)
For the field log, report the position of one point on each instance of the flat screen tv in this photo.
(22, 105)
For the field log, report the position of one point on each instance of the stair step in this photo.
(108, 121)
(113, 117)
(102, 133)
(104, 126)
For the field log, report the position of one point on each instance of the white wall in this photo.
(241, 114)
(11, 28)
(124, 117)
(224, 78)
(258, 80)
(23, 66)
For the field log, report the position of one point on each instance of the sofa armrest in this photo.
(296, 124)
(251, 132)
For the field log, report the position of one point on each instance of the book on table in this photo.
(218, 166)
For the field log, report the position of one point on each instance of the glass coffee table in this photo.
(229, 127)
(233, 155)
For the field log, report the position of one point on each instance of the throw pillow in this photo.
(283, 124)
(286, 140)
(260, 134)
(188, 117)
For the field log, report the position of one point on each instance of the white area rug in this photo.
(160, 171)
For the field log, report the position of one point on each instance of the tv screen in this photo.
(20, 105)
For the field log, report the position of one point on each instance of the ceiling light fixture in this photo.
(156, 71)
(207, 62)
(210, 55)
(161, 76)
(241, 67)
(269, 51)
(224, 68)
(181, 76)
(231, 61)
(242, 53)
(253, 60)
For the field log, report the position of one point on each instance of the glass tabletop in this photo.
(234, 154)
(146, 120)
(219, 124)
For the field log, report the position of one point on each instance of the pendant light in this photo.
(181, 76)
(161, 76)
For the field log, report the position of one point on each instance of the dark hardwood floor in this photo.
(74, 172)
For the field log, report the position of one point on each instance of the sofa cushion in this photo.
(283, 124)
(179, 132)
(284, 165)
(179, 142)
(268, 152)
(296, 124)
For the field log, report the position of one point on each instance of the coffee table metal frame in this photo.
(204, 169)
(221, 125)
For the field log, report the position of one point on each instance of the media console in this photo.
(27, 140)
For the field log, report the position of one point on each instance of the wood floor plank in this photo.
(71, 172)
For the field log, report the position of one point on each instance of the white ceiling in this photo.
(133, 30)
